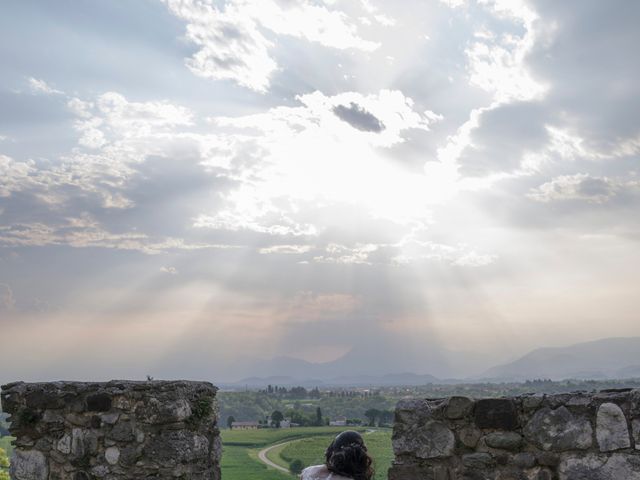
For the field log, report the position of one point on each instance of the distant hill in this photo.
(609, 358)
(384, 362)
(600, 359)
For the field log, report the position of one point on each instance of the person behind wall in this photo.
(346, 458)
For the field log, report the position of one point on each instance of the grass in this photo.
(5, 444)
(311, 451)
(275, 455)
(241, 463)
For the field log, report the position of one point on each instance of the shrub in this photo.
(296, 466)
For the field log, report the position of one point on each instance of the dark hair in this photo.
(347, 456)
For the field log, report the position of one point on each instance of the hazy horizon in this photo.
(190, 186)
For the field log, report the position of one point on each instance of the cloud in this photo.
(586, 60)
(454, 3)
(582, 187)
(14, 176)
(113, 115)
(407, 251)
(358, 254)
(115, 136)
(411, 250)
(7, 300)
(503, 137)
(85, 232)
(310, 157)
(233, 47)
(541, 115)
(169, 270)
(286, 249)
(41, 87)
(381, 18)
(358, 117)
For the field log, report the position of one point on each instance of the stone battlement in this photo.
(113, 430)
(578, 436)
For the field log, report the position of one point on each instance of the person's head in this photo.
(347, 456)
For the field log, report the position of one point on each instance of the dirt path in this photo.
(262, 455)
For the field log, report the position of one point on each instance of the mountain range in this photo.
(601, 359)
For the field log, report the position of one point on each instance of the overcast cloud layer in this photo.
(189, 186)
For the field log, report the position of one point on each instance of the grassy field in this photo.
(241, 463)
(5, 443)
(240, 450)
(311, 451)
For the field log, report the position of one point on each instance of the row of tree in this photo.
(295, 416)
(375, 417)
(301, 392)
(381, 418)
(293, 392)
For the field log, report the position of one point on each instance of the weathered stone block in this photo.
(611, 428)
(478, 461)
(112, 455)
(559, 430)
(496, 413)
(433, 439)
(122, 432)
(411, 472)
(524, 460)
(548, 459)
(458, 407)
(531, 402)
(600, 467)
(64, 444)
(469, 436)
(504, 440)
(175, 447)
(635, 426)
(29, 465)
(99, 402)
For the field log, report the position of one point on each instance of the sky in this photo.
(190, 188)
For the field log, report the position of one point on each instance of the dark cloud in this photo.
(583, 56)
(358, 118)
(595, 187)
(504, 135)
(586, 56)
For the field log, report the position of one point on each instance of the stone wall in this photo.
(578, 436)
(113, 430)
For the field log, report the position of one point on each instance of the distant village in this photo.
(285, 423)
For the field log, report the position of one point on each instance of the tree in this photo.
(386, 417)
(371, 415)
(318, 416)
(230, 420)
(296, 466)
(276, 418)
